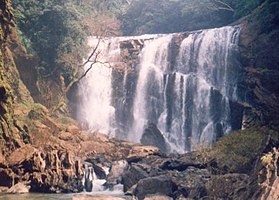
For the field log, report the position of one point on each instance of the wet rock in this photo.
(116, 172)
(100, 164)
(153, 136)
(88, 185)
(99, 171)
(88, 176)
(19, 188)
(154, 185)
(132, 176)
(191, 183)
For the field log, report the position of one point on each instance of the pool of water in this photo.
(108, 195)
(34, 196)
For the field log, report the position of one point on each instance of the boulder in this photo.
(116, 172)
(191, 183)
(182, 162)
(19, 188)
(154, 185)
(99, 171)
(132, 176)
(88, 185)
(153, 136)
(100, 164)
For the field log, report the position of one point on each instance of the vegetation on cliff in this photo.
(55, 37)
(56, 32)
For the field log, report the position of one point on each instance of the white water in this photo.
(184, 88)
(95, 108)
(98, 184)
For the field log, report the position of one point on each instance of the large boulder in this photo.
(153, 136)
(131, 177)
(191, 183)
(154, 185)
(116, 171)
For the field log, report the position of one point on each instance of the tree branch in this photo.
(93, 52)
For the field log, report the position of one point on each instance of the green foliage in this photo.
(172, 16)
(236, 151)
(56, 31)
(150, 16)
(53, 31)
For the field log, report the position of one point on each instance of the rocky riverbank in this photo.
(241, 165)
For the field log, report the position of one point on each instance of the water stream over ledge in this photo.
(185, 84)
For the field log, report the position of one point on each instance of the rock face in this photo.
(259, 48)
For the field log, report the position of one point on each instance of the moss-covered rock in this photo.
(239, 151)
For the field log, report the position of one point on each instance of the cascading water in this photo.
(95, 107)
(184, 83)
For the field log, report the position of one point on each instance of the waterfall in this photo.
(184, 83)
(95, 107)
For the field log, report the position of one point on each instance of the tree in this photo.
(103, 26)
(56, 33)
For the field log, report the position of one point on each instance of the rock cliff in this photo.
(259, 48)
